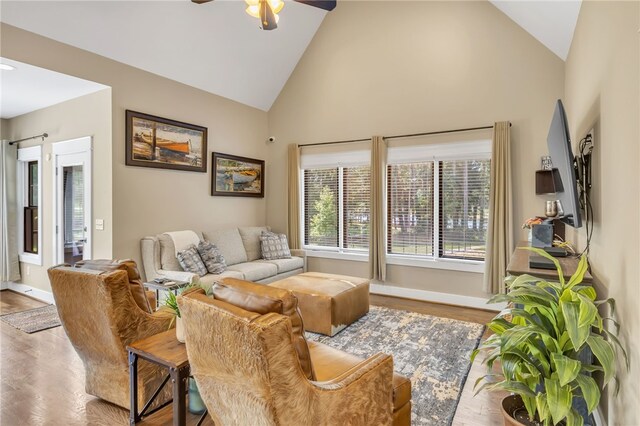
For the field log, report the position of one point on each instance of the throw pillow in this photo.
(274, 246)
(190, 261)
(212, 258)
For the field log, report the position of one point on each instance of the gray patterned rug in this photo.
(432, 351)
(33, 320)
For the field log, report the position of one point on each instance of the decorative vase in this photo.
(179, 330)
(196, 405)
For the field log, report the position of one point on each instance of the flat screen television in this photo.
(559, 143)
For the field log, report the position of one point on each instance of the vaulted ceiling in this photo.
(217, 47)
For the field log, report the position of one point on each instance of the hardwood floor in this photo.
(42, 378)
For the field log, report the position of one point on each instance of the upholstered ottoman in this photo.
(328, 303)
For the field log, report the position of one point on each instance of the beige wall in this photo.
(4, 129)
(148, 201)
(89, 115)
(384, 68)
(602, 91)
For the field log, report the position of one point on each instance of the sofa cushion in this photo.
(329, 363)
(229, 243)
(211, 257)
(255, 271)
(251, 240)
(190, 261)
(263, 300)
(168, 260)
(286, 265)
(136, 286)
(274, 246)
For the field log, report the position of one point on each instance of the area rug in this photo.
(33, 320)
(432, 351)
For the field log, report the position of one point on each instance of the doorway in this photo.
(72, 198)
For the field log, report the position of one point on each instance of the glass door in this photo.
(73, 207)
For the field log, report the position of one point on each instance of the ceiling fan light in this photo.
(254, 10)
(276, 5)
(252, 2)
(277, 17)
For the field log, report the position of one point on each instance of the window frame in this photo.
(436, 260)
(339, 252)
(26, 156)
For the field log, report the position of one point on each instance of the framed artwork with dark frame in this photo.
(236, 176)
(165, 144)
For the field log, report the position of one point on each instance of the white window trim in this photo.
(25, 155)
(463, 265)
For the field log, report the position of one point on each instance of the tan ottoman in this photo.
(328, 303)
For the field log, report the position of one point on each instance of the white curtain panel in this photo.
(9, 264)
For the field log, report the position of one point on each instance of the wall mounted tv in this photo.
(559, 143)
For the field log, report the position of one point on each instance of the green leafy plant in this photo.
(537, 339)
(171, 301)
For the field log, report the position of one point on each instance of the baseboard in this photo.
(600, 421)
(433, 296)
(4, 285)
(42, 295)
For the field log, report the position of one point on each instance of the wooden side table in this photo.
(165, 350)
(519, 265)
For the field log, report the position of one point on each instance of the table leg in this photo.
(179, 381)
(157, 298)
(134, 417)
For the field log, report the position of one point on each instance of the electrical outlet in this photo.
(99, 224)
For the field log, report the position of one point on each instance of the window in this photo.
(31, 209)
(336, 207)
(438, 207)
(464, 207)
(29, 200)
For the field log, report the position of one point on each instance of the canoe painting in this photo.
(153, 141)
(237, 175)
(158, 142)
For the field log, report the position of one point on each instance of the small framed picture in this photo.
(165, 144)
(236, 176)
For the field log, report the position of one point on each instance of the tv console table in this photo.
(519, 265)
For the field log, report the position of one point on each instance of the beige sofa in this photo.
(240, 248)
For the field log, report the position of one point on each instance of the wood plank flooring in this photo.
(42, 378)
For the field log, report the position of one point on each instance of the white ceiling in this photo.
(28, 88)
(216, 46)
(551, 22)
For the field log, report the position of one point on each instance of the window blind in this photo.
(321, 207)
(464, 208)
(356, 202)
(410, 208)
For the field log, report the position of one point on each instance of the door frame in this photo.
(81, 145)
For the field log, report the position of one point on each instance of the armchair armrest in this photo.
(189, 277)
(370, 381)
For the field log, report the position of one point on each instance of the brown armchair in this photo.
(245, 352)
(101, 317)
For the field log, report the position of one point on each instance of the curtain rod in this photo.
(44, 135)
(440, 132)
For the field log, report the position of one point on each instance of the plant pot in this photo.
(179, 330)
(515, 413)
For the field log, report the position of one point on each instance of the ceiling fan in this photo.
(267, 10)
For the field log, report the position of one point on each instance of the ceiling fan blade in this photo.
(322, 4)
(201, 1)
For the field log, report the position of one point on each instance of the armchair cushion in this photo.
(128, 265)
(263, 300)
(329, 363)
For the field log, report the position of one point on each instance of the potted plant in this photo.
(171, 305)
(538, 341)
